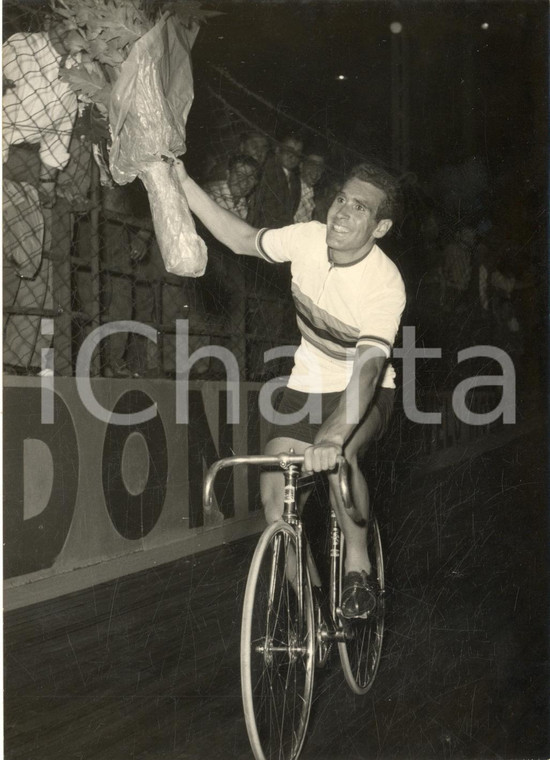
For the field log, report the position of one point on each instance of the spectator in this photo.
(457, 263)
(252, 143)
(311, 171)
(506, 274)
(463, 290)
(278, 193)
(38, 112)
(325, 192)
(232, 193)
(256, 145)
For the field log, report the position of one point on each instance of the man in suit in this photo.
(278, 193)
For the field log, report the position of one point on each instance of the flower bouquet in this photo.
(135, 71)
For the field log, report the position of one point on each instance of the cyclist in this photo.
(349, 297)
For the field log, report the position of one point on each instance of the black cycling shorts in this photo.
(290, 401)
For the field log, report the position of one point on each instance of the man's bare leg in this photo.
(357, 557)
(359, 594)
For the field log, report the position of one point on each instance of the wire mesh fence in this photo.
(80, 253)
(90, 259)
(101, 264)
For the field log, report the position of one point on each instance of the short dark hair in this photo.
(383, 180)
(314, 149)
(250, 134)
(284, 137)
(243, 158)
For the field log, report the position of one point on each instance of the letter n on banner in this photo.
(203, 452)
(41, 466)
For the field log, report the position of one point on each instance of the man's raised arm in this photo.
(228, 228)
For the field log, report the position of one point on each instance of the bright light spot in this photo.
(341, 77)
(396, 27)
(485, 25)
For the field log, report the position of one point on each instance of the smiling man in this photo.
(349, 297)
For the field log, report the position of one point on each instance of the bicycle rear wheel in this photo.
(361, 650)
(277, 649)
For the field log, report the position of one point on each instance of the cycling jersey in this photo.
(338, 306)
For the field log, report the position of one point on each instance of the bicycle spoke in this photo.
(276, 660)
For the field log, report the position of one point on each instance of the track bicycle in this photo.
(289, 624)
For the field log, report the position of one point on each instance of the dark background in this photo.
(461, 93)
(471, 90)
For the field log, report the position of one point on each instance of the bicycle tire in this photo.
(361, 651)
(277, 661)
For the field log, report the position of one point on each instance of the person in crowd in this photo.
(349, 297)
(506, 277)
(233, 192)
(278, 193)
(251, 143)
(457, 264)
(312, 167)
(325, 192)
(38, 113)
(255, 145)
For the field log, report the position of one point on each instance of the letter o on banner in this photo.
(135, 469)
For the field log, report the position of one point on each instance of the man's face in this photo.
(257, 147)
(312, 169)
(242, 179)
(352, 226)
(289, 153)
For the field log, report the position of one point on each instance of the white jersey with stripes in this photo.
(338, 306)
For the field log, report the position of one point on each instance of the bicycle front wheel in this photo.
(361, 650)
(277, 648)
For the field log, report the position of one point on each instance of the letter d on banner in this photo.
(41, 466)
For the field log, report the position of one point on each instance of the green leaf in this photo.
(112, 55)
(121, 36)
(97, 47)
(90, 84)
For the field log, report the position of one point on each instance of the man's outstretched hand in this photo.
(321, 456)
(181, 171)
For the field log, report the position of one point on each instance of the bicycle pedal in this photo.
(350, 618)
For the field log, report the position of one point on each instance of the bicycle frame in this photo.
(286, 629)
(290, 465)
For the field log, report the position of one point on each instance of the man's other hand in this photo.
(321, 456)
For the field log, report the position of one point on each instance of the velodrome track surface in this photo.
(148, 666)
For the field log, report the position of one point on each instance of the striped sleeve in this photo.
(373, 340)
(281, 244)
(260, 247)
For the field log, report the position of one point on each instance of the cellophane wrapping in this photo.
(148, 113)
